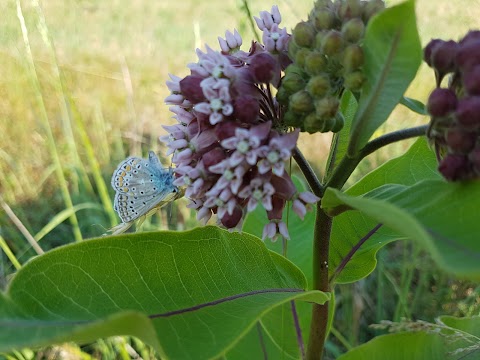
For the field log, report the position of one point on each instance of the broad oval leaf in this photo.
(441, 216)
(348, 228)
(392, 56)
(201, 291)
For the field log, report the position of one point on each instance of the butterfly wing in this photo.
(141, 186)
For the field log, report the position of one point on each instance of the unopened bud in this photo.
(471, 81)
(264, 67)
(318, 86)
(327, 107)
(247, 108)
(339, 122)
(301, 55)
(323, 19)
(441, 102)
(191, 89)
(460, 140)
(352, 58)
(371, 8)
(428, 50)
(301, 102)
(293, 82)
(350, 9)
(304, 34)
(332, 43)
(454, 167)
(313, 123)
(468, 112)
(315, 63)
(353, 30)
(443, 57)
(468, 55)
(354, 81)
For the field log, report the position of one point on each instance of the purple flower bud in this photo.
(468, 55)
(443, 57)
(471, 80)
(472, 35)
(247, 109)
(468, 112)
(191, 89)
(454, 167)
(232, 220)
(428, 50)
(213, 157)
(441, 102)
(460, 140)
(265, 68)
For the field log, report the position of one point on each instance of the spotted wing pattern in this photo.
(142, 186)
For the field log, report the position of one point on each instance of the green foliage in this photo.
(392, 57)
(167, 286)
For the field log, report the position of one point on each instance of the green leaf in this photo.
(470, 325)
(414, 105)
(402, 346)
(441, 216)
(392, 56)
(348, 228)
(348, 107)
(191, 294)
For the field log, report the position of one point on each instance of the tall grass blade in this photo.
(62, 216)
(6, 249)
(61, 90)
(62, 181)
(16, 221)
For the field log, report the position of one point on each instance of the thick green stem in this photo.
(318, 325)
(323, 228)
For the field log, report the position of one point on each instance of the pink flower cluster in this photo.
(229, 145)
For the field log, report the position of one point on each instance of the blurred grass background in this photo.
(82, 85)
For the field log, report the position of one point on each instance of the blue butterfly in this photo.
(142, 187)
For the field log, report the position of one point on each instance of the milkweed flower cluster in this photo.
(230, 144)
(455, 109)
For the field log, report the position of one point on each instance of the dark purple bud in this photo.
(471, 81)
(468, 55)
(441, 102)
(473, 35)
(443, 57)
(247, 109)
(213, 157)
(191, 89)
(230, 221)
(225, 129)
(454, 167)
(278, 204)
(304, 34)
(460, 140)
(428, 50)
(468, 112)
(284, 186)
(264, 68)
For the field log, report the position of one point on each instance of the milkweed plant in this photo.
(259, 281)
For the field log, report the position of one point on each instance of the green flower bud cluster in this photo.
(327, 56)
